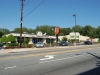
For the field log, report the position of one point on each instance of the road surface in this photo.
(60, 61)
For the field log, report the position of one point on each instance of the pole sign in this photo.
(57, 30)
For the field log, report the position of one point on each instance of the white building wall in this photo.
(95, 40)
(30, 42)
(83, 38)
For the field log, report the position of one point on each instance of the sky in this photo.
(49, 12)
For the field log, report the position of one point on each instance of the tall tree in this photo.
(98, 32)
(88, 31)
(45, 29)
(4, 31)
(77, 28)
(16, 30)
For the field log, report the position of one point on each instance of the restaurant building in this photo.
(39, 36)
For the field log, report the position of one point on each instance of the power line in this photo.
(14, 11)
(9, 14)
(34, 9)
(27, 3)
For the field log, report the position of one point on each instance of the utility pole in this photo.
(21, 19)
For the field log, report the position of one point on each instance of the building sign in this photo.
(73, 37)
(57, 30)
(39, 33)
(77, 36)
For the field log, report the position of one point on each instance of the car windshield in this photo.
(39, 43)
(63, 41)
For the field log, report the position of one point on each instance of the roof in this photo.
(30, 35)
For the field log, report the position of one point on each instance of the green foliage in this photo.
(11, 39)
(12, 44)
(64, 31)
(16, 30)
(24, 44)
(64, 39)
(26, 40)
(58, 40)
(45, 29)
(69, 40)
(87, 30)
(3, 31)
(3, 39)
(77, 28)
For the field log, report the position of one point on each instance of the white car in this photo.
(39, 44)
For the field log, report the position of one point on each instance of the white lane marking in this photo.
(61, 59)
(48, 57)
(10, 67)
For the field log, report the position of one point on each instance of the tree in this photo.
(24, 29)
(64, 39)
(98, 32)
(30, 30)
(88, 31)
(16, 30)
(11, 39)
(49, 30)
(1, 34)
(77, 28)
(65, 31)
(3, 31)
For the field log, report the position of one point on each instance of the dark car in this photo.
(88, 42)
(63, 43)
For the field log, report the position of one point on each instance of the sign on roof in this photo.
(39, 33)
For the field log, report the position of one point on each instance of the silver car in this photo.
(39, 44)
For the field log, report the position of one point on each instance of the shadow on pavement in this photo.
(95, 71)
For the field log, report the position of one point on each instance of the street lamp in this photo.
(74, 15)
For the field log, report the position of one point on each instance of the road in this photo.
(60, 61)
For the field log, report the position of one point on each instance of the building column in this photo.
(44, 40)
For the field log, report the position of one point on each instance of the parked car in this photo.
(63, 43)
(88, 42)
(39, 44)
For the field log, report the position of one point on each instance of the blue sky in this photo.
(50, 12)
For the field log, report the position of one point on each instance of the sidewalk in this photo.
(4, 51)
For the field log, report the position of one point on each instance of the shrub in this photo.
(26, 40)
(3, 39)
(11, 39)
(64, 39)
(12, 44)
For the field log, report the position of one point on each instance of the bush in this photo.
(11, 39)
(64, 39)
(24, 44)
(3, 39)
(12, 44)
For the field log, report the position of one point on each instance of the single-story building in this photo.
(34, 38)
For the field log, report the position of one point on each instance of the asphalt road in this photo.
(60, 61)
